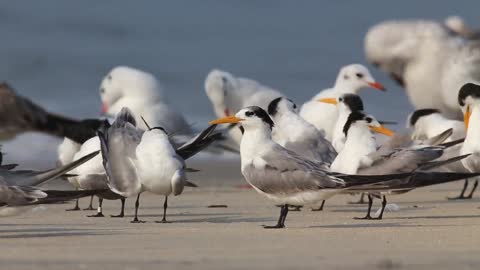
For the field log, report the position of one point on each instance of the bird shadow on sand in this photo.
(49, 232)
(217, 218)
(438, 217)
(359, 225)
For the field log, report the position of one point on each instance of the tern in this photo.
(136, 161)
(351, 79)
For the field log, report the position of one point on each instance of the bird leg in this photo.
(462, 194)
(137, 204)
(165, 205)
(99, 209)
(384, 204)
(319, 208)
(370, 202)
(90, 206)
(473, 190)
(122, 212)
(281, 220)
(76, 208)
(361, 201)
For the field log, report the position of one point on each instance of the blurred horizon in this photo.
(57, 52)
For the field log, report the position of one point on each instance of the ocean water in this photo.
(56, 52)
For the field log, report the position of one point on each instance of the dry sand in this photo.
(428, 232)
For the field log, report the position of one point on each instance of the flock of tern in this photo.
(294, 155)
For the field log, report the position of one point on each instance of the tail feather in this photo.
(59, 196)
(54, 173)
(198, 143)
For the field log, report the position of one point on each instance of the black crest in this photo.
(468, 89)
(352, 118)
(420, 113)
(260, 113)
(354, 102)
(273, 106)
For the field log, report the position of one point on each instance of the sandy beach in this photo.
(428, 232)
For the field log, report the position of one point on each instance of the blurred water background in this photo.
(56, 52)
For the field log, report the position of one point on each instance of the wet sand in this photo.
(428, 232)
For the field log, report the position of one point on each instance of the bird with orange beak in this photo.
(350, 80)
(469, 101)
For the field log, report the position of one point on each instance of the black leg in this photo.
(320, 208)
(122, 212)
(99, 210)
(473, 190)
(384, 204)
(360, 201)
(462, 194)
(90, 206)
(370, 202)
(76, 208)
(281, 219)
(165, 205)
(137, 204)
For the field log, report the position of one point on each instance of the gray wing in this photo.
(118, 147)
(402, 161)
(285, 173)
(19, 195)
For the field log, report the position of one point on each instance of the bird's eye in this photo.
(224, 80)
(249, 113)
(340, 99)
(294, 106)
(368, 119)
(102, 90)
(346, 77)
(109, 77)
(359, 75)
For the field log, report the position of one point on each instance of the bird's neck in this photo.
(254, 142)
(360, 142)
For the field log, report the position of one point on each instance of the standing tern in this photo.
(427, 123)
(282, 175)
(136, 161)
(351, 79)
(359, 156)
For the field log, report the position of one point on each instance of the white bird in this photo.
(360, 156)
(424, 58)
(141, 92)
(282, 175)
(229, 94)
(351, 79)
(136, 161)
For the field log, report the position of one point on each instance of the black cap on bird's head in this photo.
(416, 115)
(371, 122)
(468, 90)
(354, 102)
(273, 106)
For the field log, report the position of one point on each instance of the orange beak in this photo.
(382, 130)
(226, 120)
(377, 85)
(328, 100)
(466, 117)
